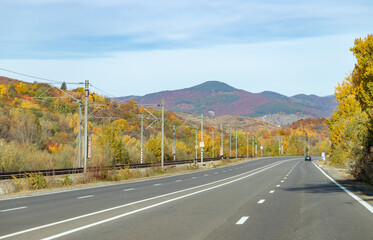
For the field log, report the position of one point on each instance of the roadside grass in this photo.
(36, 181)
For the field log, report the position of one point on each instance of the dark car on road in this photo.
(307, 158)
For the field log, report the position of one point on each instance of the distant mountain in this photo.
(217, 98)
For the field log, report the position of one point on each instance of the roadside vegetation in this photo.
(351, 125)
(39, 126)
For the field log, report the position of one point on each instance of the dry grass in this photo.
(101, 176)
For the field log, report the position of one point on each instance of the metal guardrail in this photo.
(65, 171)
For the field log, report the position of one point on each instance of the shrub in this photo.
(36, 181)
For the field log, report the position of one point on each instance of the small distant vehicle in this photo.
(307, 158)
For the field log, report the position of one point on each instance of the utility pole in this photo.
(202, 143)
(221, 142)
(247, 145)
(196, 144)
(230, 145)
(86, 89)
(174, 146)
(261, 145)
(236, 144)
(80, 135)
(213, 141)
(162, 134)
(142, 138)
(279, 145)
(305, 147)
(252, 146)
(308, 148)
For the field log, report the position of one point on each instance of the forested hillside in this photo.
(39, 126)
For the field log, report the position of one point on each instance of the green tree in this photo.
(63, 86)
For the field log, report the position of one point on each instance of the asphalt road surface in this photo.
(271, 198)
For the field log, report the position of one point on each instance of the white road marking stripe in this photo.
(282, 181)
(205, 175)
(215, 172)
(128, 189)
(242, 220)
(88, 196)
(272, 191)
(13, 209)
(261, 169)
(157, 184)
(277, 185)
(261, 201)
(361, 201)
(285, 177)
(178, 180)
(194, 177)
(151, 206)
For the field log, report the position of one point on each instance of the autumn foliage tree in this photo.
(351, 125)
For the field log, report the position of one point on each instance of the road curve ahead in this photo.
(272, 198)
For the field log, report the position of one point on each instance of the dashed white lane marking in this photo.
(282, 181)
(215, 172)
(277, 185)
(128, 189)
(157, 184)
(242, 220)
(13, 209)
(272, 191)
(285, 177)
(88, 196)
(194, 177)
(205, 175)
(178, 180)
(261, 201)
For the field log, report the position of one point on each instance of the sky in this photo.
(136, 47)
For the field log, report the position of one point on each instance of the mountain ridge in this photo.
(218, 98)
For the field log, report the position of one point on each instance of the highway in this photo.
(270, 198)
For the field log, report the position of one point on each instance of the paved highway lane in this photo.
(283, 198)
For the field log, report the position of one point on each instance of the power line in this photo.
(40, 78)
(102, 91)
(26, 75)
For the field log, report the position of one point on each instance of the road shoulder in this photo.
(343, 177)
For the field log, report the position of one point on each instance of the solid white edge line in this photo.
(128, 189)
(242, 220)
(13, 209)
(140, 201)
(354, 196)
